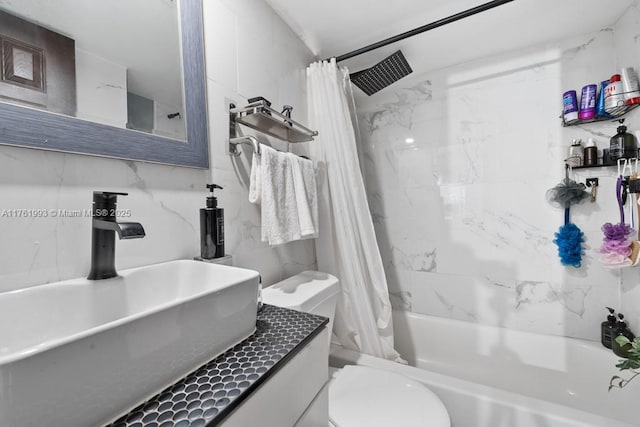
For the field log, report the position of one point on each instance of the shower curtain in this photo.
(346, 246)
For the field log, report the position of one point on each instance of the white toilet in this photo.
(358, 395)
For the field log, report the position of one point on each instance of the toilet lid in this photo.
(363, 396)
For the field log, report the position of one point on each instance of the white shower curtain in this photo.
(346, 246)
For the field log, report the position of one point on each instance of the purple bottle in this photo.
(588, 102)
(570, 106)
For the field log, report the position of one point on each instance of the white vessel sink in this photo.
(77, 353)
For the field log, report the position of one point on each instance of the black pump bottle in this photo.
(607, 328)
(212, 227)
(621, 329)
(623, 145)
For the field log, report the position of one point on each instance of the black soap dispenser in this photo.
(607, 328)
(623, 145)
(212, 227)
(621, 329)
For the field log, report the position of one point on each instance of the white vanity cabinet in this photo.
(294, 396)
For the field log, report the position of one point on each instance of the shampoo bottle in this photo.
(576, 153)
(570, 106)
(600, 104)
(630, 86)
(588, 102)
(590, 154)
(607, 327)
(623, 145)
(212, 227)
(614, 102)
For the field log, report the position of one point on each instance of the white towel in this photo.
(255, 180)
(304, 185)
(280, 222)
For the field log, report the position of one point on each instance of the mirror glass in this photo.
(42, 106)
(117, 63)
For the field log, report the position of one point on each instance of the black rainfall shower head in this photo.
(389, 70)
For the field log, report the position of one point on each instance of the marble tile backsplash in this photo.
(457, 163)
(164, 199)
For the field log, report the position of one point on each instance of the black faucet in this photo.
(103, 238)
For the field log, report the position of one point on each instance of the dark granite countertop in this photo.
(207, 395)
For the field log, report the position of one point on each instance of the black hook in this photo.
(625, 189)
(593, 184)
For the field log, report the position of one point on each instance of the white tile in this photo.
(220, 37)
(574, 311)
(462, 207)
(219, 99)
(477, 299)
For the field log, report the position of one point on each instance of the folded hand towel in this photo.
(304, 185)
(280, 222)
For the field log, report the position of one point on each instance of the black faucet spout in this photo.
(103, 234)
(125, 230)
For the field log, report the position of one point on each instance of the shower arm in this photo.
(431, 26)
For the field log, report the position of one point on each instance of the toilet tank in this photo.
(310, 291)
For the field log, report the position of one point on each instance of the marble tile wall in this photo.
(249, 52)
(627, 46)
(457, 162)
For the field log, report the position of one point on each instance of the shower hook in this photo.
(624, 165)
(593, 184)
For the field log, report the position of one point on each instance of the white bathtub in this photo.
(495, 377)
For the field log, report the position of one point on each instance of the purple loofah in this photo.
(616, 245)
(613, 260)
(620, 247)
(616, 232)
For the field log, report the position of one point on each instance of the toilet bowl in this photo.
(358, 395)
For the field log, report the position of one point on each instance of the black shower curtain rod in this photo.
(431, 26)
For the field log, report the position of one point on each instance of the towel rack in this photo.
(265, 120)
(249, 140)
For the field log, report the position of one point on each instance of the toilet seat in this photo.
(363, 396)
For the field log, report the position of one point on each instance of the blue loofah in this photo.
(569, 239)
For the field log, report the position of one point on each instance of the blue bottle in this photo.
(600, 105)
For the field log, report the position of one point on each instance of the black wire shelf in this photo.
(618, 114)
